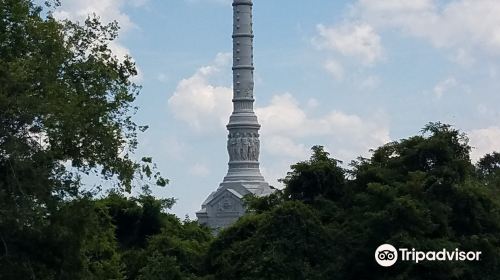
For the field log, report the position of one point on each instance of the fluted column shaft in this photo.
(243, 83)
(243, 139)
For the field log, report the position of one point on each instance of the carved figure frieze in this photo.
(243, 146)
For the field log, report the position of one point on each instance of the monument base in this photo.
(225, 205)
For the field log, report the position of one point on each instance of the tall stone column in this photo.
(224, 206)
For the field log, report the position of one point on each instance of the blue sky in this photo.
(349, 75)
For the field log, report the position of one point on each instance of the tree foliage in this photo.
(488, 170)
(65, 110)
(153, 243)
(318, 177)
(422, 192)
(280, 244)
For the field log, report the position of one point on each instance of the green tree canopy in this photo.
(154, 244)
(421, 192)
(65, 109)
(319, 177)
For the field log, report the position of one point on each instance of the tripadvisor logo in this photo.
(387, 255)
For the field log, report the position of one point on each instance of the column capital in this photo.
(242, 2)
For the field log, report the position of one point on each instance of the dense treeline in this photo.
(66, 110)
(422, 192)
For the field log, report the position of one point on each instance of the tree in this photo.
(153, 243)
(489, 164)
(181, 246)
(65, 109)
(488, 169)
(318, 177)
(135, 218)
(279, 244)
(160, 267)
(421, 192)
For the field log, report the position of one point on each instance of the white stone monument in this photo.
(224, 206)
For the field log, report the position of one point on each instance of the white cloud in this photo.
(285, 147)
(349, 135)
(460, 24)
(484, 141)
(284, 117)
(108, 11)
(444, 86)
(335, 68)
(352, 39)
(200, 104)
(286, 126)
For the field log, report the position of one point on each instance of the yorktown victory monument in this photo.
(225, 205)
